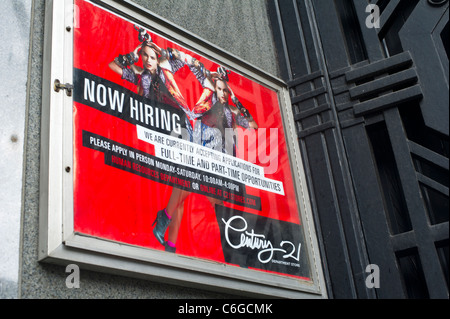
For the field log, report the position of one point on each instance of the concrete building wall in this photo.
(15, 17)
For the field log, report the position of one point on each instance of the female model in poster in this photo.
(214, 115)
(154, 81)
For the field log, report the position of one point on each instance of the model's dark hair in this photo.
(148, 44)
(217, 79)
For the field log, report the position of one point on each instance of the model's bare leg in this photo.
(176, 199)
(174, 226)
(165, 216)
(177, 202)
(170, 217)
(215, 201)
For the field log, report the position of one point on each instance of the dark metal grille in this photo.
(371, 109)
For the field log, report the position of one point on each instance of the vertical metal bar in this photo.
(281, 39)
(370, 36)
(67, 148)
(51, 204)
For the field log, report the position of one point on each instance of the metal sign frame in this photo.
(59, 244)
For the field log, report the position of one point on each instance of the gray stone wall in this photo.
(240, 27)
(14, 52)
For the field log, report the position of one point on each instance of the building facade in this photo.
(368, 93)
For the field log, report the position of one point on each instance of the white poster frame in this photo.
(59, 244)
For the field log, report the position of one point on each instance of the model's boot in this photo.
(162, 221)
(169, 247)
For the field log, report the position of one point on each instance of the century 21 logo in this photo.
(373, 19)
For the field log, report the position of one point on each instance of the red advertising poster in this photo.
(175, 152)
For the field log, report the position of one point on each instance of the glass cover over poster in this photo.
(178, 153)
